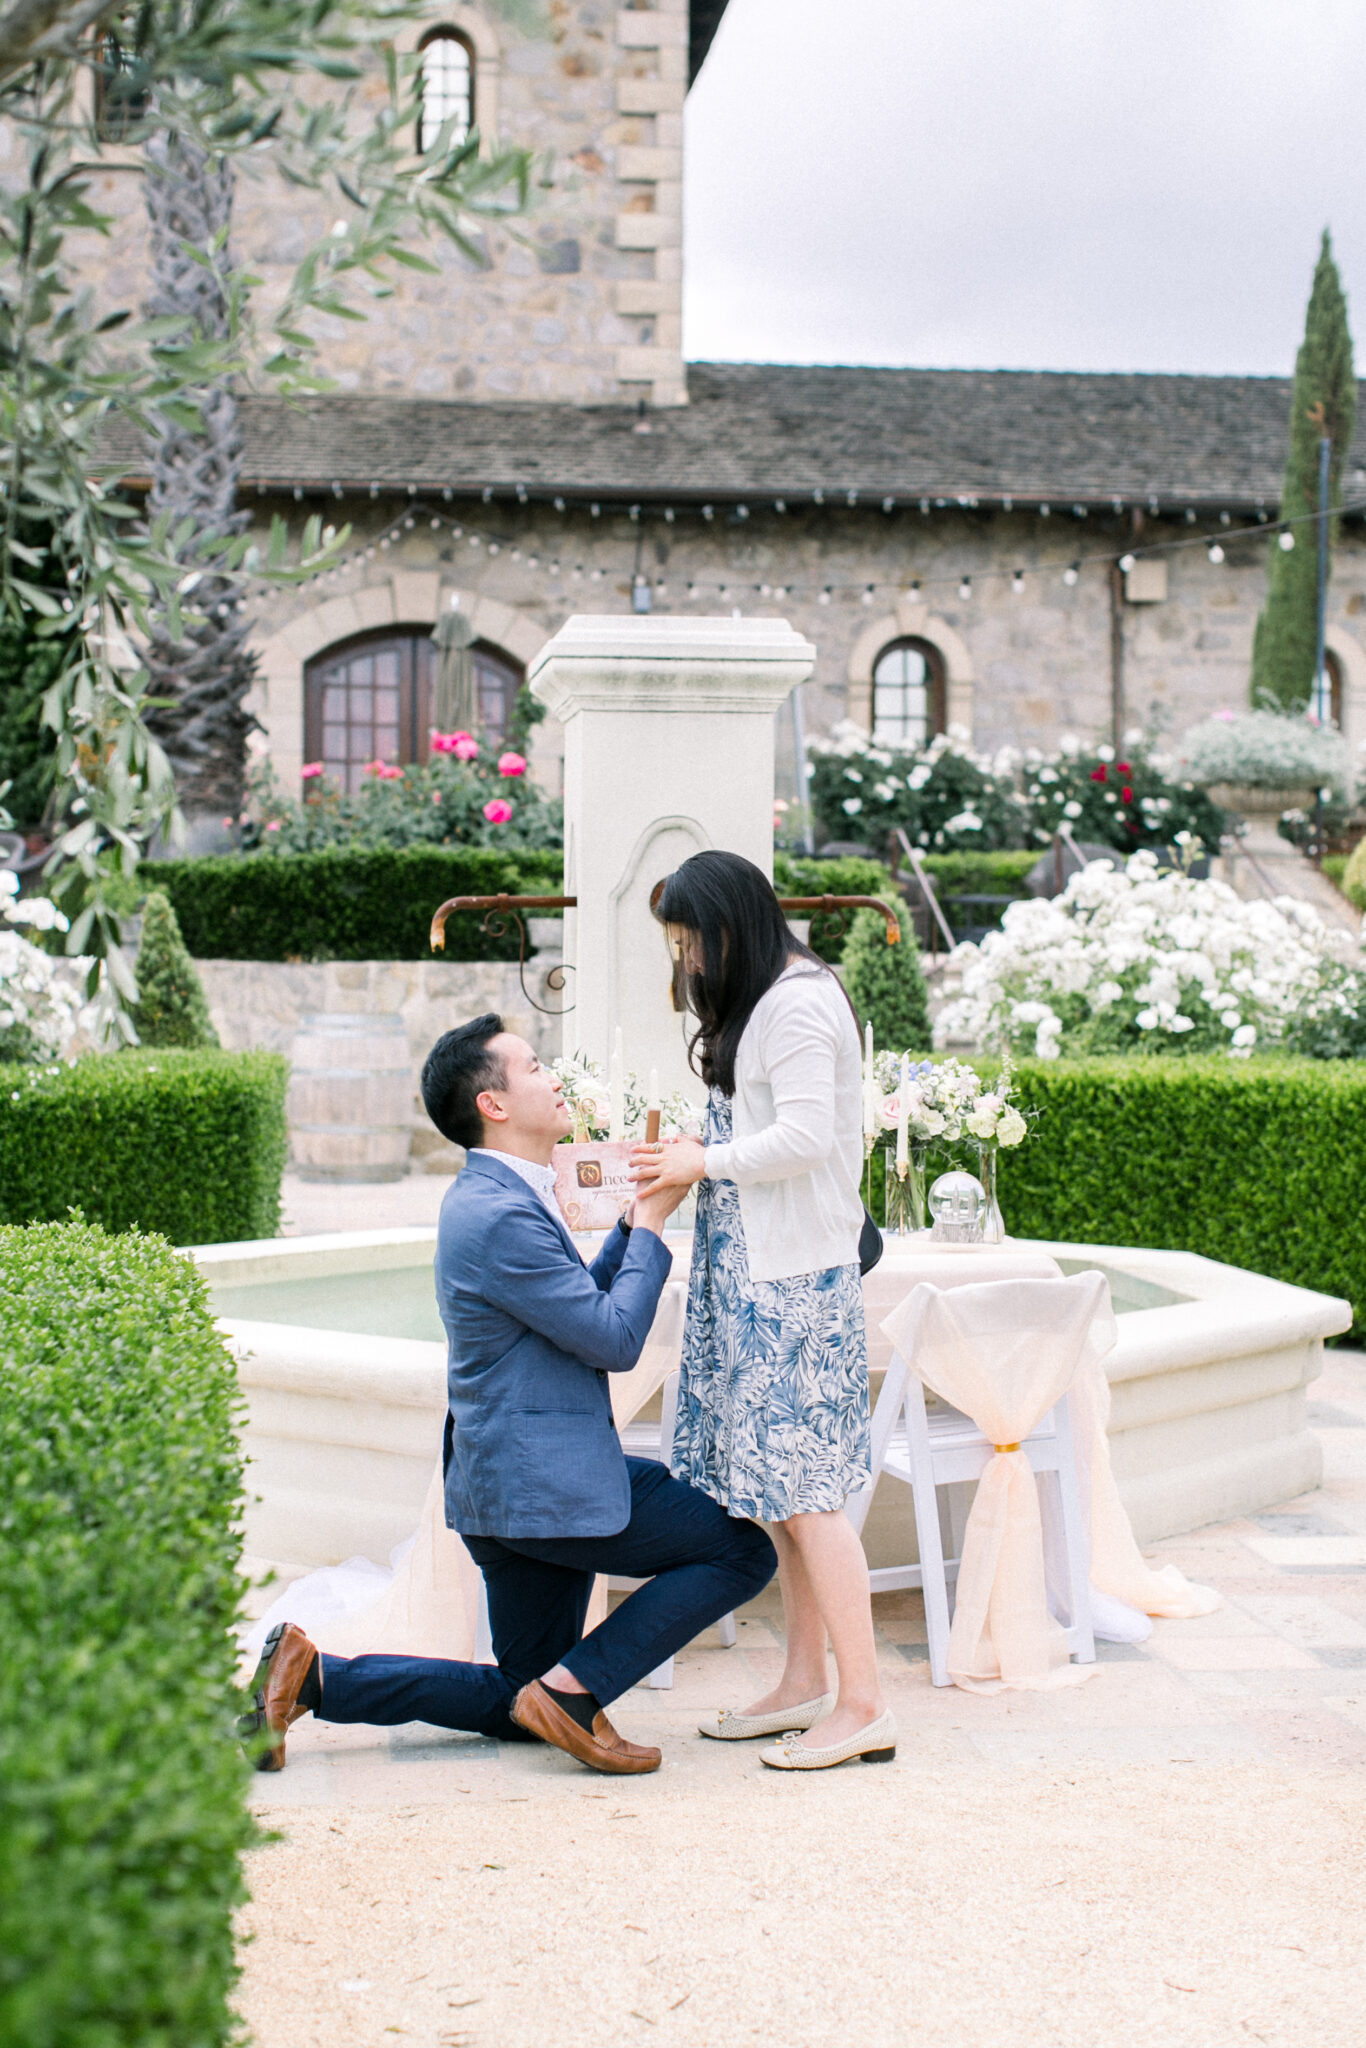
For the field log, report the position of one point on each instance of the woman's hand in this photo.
(675, 1165)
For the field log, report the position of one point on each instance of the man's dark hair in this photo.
(456, 1071)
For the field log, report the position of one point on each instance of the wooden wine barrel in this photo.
(350, 1098)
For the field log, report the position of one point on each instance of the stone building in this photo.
(526, 438)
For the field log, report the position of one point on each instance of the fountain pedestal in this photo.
(668, 750)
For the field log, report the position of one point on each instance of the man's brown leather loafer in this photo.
(286, 1659)
(602, 1750)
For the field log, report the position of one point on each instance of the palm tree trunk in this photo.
(195, 473)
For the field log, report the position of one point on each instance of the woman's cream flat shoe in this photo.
(728, 1727)
(875, 1744)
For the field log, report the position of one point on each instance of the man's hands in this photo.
(650, 1212)
(664, 1174)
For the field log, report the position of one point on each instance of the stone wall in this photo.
(580, 301)
(1023, 668)
(257, 1004)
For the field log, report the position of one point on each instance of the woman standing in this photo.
(773, 1393)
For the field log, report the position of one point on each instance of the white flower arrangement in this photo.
(43, 1009)
(1140, 960)
(586, 1092)
(947, 1102)
(1267, 750)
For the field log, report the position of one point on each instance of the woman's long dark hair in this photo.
(746, 943)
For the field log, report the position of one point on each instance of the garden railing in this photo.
(503, 911)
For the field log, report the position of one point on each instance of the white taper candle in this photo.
(616, 1092)
(903, 1116)
(869, 1085)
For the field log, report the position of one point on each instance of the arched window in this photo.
(120, 100)
(909, 695)
(447, 61)
(370, 698)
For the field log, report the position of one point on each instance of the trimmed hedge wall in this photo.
(346, 902)
(122, 1808)
(1259, 1163)
(190, 1144)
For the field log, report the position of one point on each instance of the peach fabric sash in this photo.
(1003, 1353)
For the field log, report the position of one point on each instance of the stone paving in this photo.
(1171, 1853)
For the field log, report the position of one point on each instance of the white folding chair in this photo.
(653, 1440)
(929, 1448)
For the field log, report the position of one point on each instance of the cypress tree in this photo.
(886, 984)
(1285, 644)
(170, 1009)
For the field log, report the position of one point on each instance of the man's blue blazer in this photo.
(531, 1448)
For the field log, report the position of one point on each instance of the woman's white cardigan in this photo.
(797, 1150)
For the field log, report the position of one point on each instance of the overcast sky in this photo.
(1024, 184)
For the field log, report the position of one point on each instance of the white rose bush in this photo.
(1139, 960)
(43, 1010)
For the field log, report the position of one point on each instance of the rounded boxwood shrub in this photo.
(191, 1144)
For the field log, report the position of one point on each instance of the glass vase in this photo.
(993, 1223)
(905, 1193)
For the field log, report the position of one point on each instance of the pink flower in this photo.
(1228, 716)
(497, 810)
(512, 764)
(229, 823)
(462, 744)
(274, 825)
(310, 769)
(383, 771)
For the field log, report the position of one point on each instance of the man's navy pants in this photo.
(699, 1562)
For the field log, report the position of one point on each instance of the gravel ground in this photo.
(1171, 1855)
(877, 1905)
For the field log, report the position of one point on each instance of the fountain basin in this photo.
(343, 1367)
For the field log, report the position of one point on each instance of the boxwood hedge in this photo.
(191, 1144)
(346, 902)
(122, 1808)
(1259, 1163)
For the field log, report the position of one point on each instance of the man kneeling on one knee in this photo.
(537, 1483)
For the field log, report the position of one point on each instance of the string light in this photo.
(867, 591)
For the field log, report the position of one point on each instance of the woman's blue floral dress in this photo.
(773, 1392)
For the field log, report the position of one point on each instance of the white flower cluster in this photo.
(42, 1005)
(947, 1102)
(586, 1092)
(1133, 958)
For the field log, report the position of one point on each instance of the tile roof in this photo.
(755, 430)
